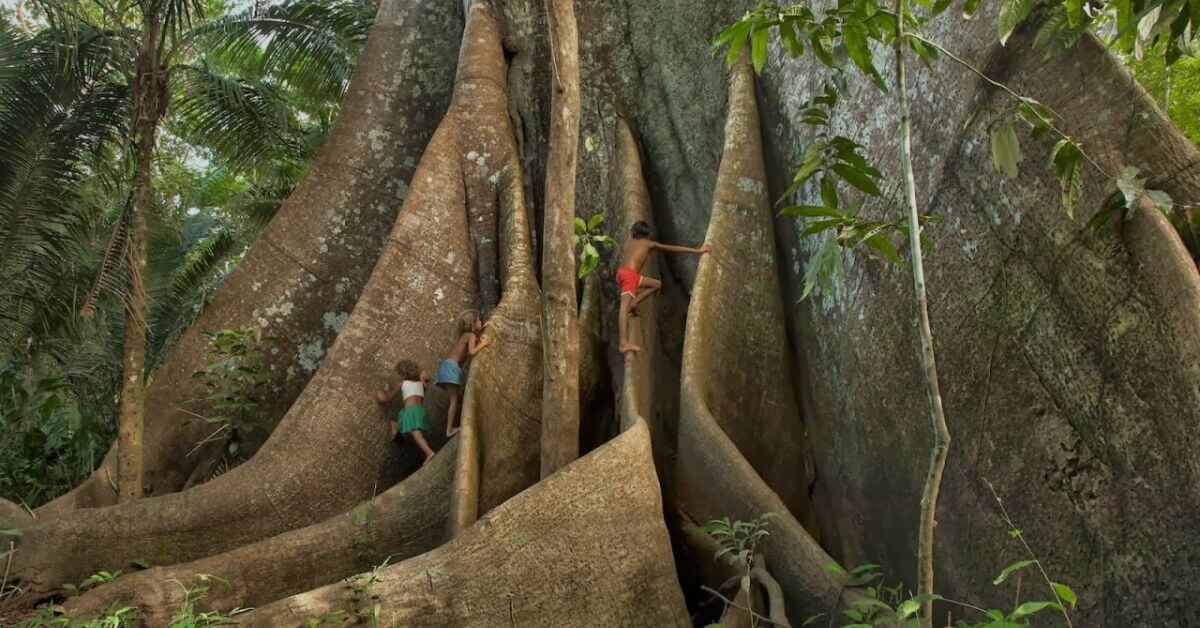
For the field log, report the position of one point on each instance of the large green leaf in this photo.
(1012, 13)
(855, 38)
(1006, 151)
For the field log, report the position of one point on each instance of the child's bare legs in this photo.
(647, 287)
(623, 325)
(451, 414)
(419, 438)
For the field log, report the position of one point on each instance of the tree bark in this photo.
(404, 521)
(297, 479)
(739, 455)
(560, 399)
(498, 455)
(302, 276)
(148, 107)
(603, 511)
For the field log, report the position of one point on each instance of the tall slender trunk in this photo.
(147, 109)
(560, 400)
(941, 434)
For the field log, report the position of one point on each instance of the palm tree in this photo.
(256, 90)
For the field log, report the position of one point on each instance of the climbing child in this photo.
(634, 287)
(449, 374)
(411, 420)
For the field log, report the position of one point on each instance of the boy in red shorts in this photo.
(634, 287)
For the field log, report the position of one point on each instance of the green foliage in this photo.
(116, 616)
(738, 539)
(587, 238)
(366, 608)
(100, 577)
(188, 617)
(48, 445)
(1131, 188)
(235, 383)
(881, 605)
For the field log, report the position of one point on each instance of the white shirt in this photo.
(410, 388)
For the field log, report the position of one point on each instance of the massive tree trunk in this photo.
(425, 276)
(1065, 355)
(603, 511)
(304, 273)
(742, 444)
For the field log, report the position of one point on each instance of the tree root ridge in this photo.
(603, 511)
(732, 460)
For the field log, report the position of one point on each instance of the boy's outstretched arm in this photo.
(674, 248)
(475, 344)
(384, 396)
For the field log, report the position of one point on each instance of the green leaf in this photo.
(1012, 13)
(1006, 152)
(1161, 199)
(1008, 571)
(855, 38)
(589, 143)
(1067, 159)
(1064, 593)
(1131, 187)
(881, 243)
(809, 211)
(1029, 608)
(907, 608)
(11, 532)
(824, 269)
(1075, 13)
(969, 8)
(589, 259)
(857, 178)
(758, 49)
(820, 225)
(580, 226)
(595, 221)
(829, 194)
(822, 46)
(1014, 533)
(787, 34)
(739, 35)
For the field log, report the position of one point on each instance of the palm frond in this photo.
(312, 45)
(242, 121)
(111, 277)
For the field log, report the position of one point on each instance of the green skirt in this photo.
(413, 418)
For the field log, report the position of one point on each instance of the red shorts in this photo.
(629, 280)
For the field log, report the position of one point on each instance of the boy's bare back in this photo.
(461, 347)
(637, 251)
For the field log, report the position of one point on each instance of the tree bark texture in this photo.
(1075, 349)
(148, 107)
(301, 278)
(560, 397)
(404, 521)
(602, 510)
(739, 412)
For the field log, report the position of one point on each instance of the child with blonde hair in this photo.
(412, 419)
(449, 374)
